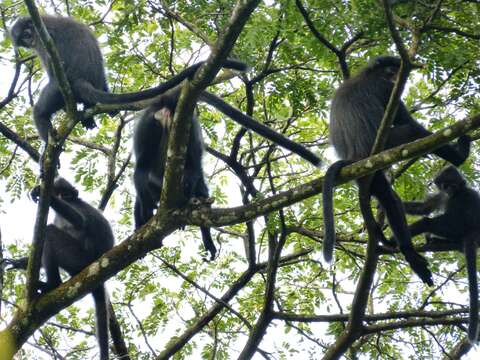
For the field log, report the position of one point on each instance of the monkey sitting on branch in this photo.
(83, 64)
(82, 61)
(79, 235)
(150, 142)
(356, 113)
(458, 221)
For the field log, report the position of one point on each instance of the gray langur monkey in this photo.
(79, 235)
(83, 64)
(150, 147)
(457, 222)
(150, 142)
(356, 113)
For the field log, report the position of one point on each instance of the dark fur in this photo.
(150, 147)
(83, 63)
(458, 221)
(79, 235)
(356, 113)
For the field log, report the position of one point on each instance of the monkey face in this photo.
(64, 190)
(385, 67)
(66, 194)
(23, 33)
(449, 180)
(390, 73)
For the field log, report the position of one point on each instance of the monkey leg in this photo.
(208, 242)
(145, 202)
(61, 250)
(88, 123)
(201, 194)
(193, 179)
(454, 154)
(49, 102)
(441, 226)
(382, 190)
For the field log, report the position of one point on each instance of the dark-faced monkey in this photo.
(150, 148)
(458, 221)
(79, 235)
(83, 64)
(356, 113)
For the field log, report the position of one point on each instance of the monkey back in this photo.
(357, 109)
(77, 46)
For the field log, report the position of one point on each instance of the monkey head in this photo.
(61, 189)
(23, 33)
(450, 180)
(64, 190)
(384, 66)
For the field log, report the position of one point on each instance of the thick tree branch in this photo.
(222, 217)
(370, 318)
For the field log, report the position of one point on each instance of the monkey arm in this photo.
(432, 203)
(68, 212)
(441, 226)
(20, 263)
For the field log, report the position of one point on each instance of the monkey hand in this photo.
(14, 264)
(114, 113)
(418, 264)
(35, 193)
(89, 123)
(197, 202)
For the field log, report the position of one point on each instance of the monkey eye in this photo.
(391, 72)
(27, 36)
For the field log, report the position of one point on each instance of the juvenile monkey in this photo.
(458, 221)
(79, 235)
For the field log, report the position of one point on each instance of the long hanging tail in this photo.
(208, 242)
(101, 314)
(93, 95)
(259, 128)
(327, 197)
(470, 251)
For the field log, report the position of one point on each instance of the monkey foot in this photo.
(418, 264)
(201, 201)
(89, 123)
